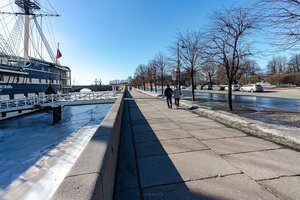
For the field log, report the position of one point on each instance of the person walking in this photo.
(168, 94)
(177, 94)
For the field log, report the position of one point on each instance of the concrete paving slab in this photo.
(216, 133)
(267, 164)
(136, 110)
(182, 145)
(164, 126)
(157, 170)
(284, 187)
(184, 114)
(168, 147)
(196, 119)
(239, 145)
(177, 191)
(148, 108)
(141, 128)
(135, 116)
(201, 126)
(139, 121)
(159, 120)
(132, 194)
(201, 164)
(152, 116)
(233, 187)
(145, 137)
(150, 113)
(172, 134)
(153, 148)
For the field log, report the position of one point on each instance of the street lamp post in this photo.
(177, 69)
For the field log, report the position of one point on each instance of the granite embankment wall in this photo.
(92, 176)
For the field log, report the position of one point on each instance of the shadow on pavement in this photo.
(145, 171)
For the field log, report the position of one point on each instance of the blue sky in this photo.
(108, 39)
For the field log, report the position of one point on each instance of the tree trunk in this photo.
(155, 85)
(230, 96)
(193, 87)
(151, 86)
(162, 84)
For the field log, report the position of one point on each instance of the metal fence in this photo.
(55, 99)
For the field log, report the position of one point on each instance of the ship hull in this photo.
(37, 77)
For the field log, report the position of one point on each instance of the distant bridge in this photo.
(77, 88)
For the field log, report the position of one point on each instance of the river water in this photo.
(25, 140)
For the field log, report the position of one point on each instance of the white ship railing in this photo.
(57, 100)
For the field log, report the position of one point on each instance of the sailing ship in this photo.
(26, 75)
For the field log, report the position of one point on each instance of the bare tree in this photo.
(294, 63)
(252, 69)
(141, 75)
(209, 70)
(277, 65)
(247, 67)
(190, 54)
(160, 63)
(282, 19)
(227, 41)
(152, 74)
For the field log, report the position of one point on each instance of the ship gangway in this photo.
(55, 102)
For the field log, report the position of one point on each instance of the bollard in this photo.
(3, 114)
(56, 114)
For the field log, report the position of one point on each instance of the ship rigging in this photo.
(25, 70)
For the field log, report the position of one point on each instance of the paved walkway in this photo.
(175, 154)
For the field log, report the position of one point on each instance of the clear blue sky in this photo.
(108, 39)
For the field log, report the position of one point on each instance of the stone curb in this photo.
(93, 174)
(288, 136)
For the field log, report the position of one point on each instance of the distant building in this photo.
(120, 82)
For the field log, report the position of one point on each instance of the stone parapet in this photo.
(93, 174)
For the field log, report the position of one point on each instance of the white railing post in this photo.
(52, 98)
(25, 101)
(7, 104)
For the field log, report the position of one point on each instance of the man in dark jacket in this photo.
(168, 94)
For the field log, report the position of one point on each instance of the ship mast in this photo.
(28, 7)
(28, 10)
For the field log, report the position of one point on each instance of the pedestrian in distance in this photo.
(168, 94)
(177, 93)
